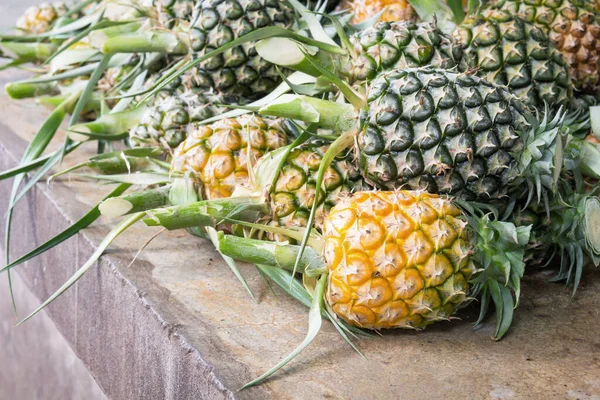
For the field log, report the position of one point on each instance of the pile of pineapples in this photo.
(384, 162)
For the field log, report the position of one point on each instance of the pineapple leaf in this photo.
(314, 325)
(213, 236)
(484, 297)
(12, 64)
(342, 333)
(120, 228)
(340, 31)
(138, 178)
(165, 75)
(35, 148)
(349, 93)
(83, 223)
(503, 301)
(79, 106)
(315, 28)
(283, 278)
(33, 164)
(117, 60)
(343, 142)
(595, 121)
(306, 90)
(456, 7)
(81, 136)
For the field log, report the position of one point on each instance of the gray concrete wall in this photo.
(37, 361)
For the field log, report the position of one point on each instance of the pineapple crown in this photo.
(541, 159)
(573, 228)
(498, 251)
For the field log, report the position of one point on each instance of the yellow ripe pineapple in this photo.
(220, 154)
(397, 259)
(395, 10)
(38, 19)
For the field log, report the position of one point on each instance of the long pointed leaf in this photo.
(59, 155)
(35, 148)
(83, 223)
(126, 223)
(213, 236)
(31, 165)
(314, 325)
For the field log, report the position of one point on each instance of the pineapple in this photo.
(453, 134)
(290, 192)
(393, 259)
(39, 19)
(239, 71)
(293, 191)
(397, 259)
(395, 10)
(573, 26)
(440, 131)
(509, 51)
(167, 121)
(219, 155)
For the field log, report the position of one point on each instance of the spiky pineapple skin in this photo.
(239, 71)
(442, 132)
(39, 19)
(219, 155)
(294, 189)
(396, 259)
(509, 51)
(171, 12)
(402, 44)
(167, 121)
(573, 26)
(393, 10)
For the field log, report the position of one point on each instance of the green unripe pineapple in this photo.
(510, 51)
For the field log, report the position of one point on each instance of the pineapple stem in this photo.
(145, 42)
(27, 51)
(135, 202)
(207, 213)
(54, 101)
(98, 37)
(326, 114)
(275, 254)
(18, 90)
(108, 124)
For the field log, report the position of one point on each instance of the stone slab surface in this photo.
(176, 324)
